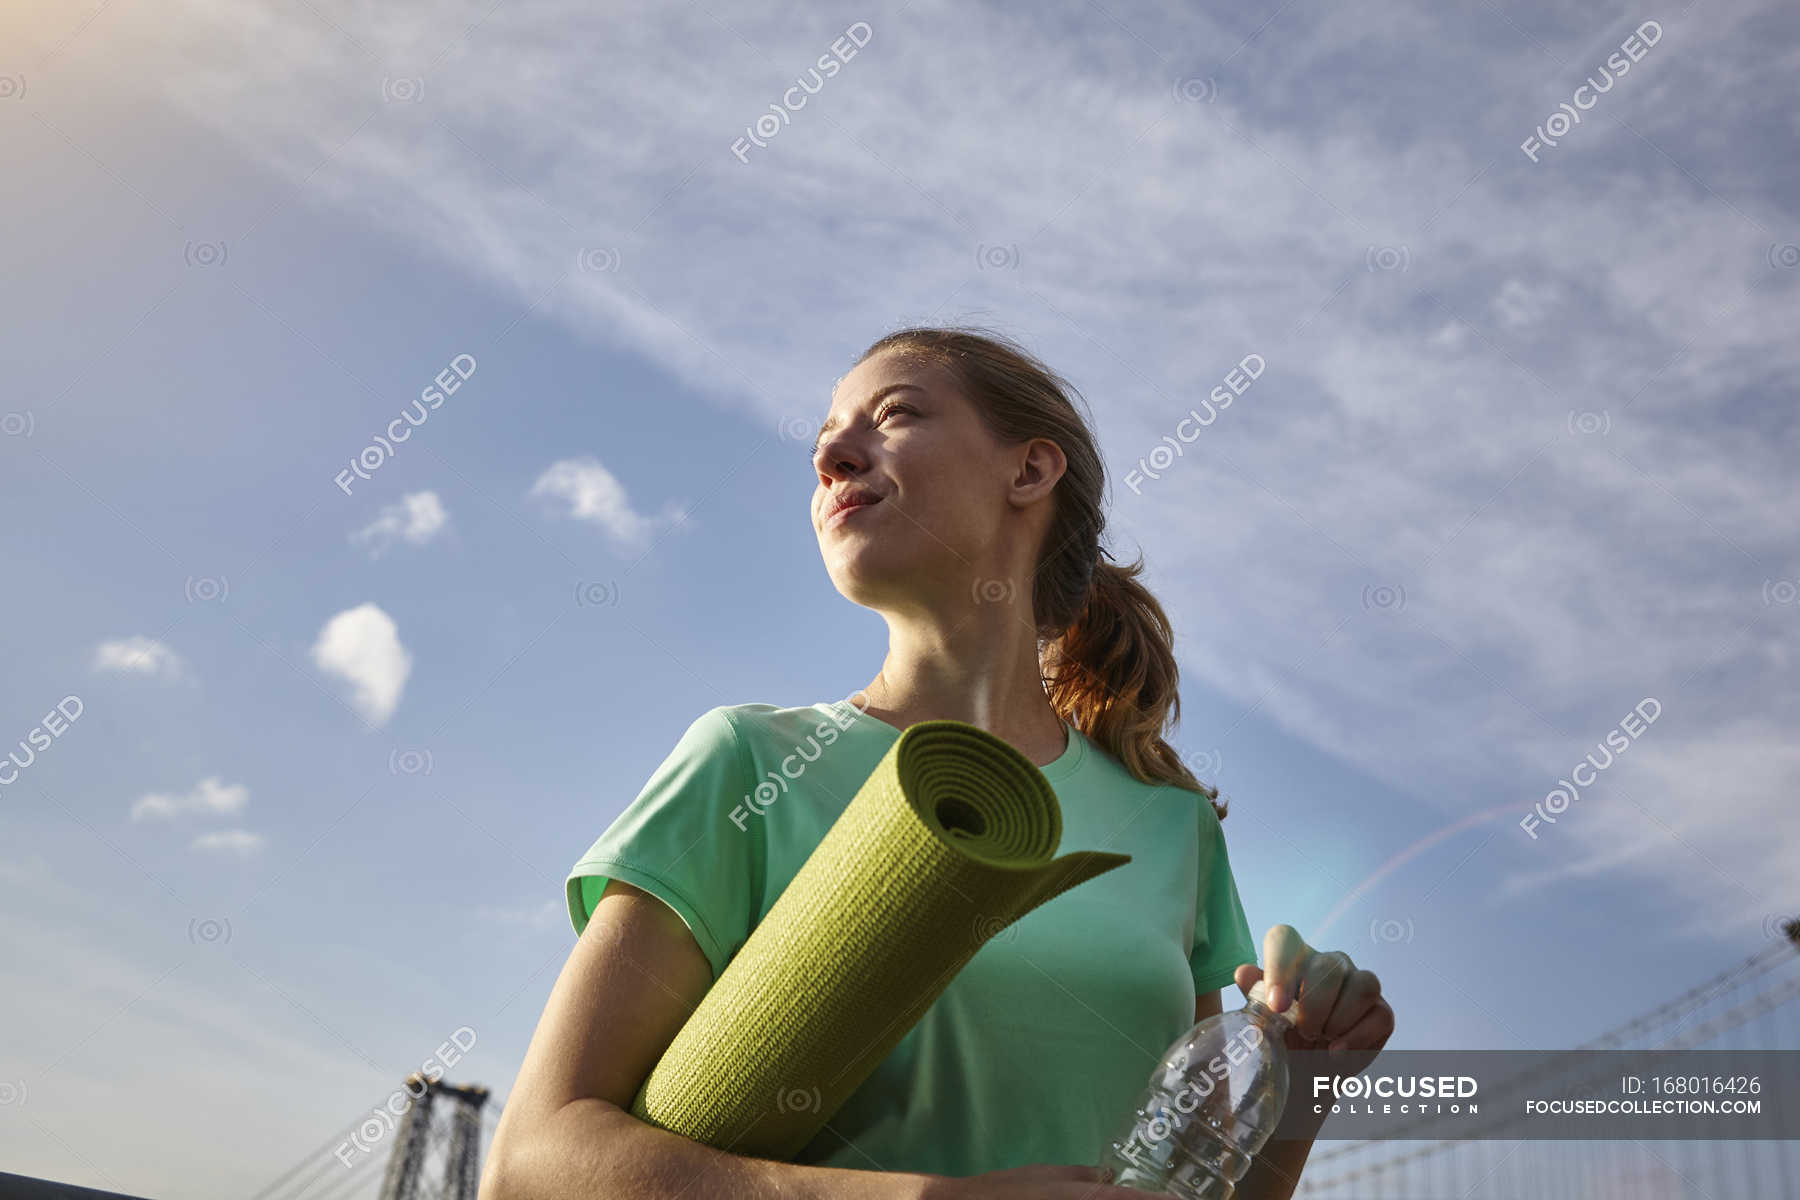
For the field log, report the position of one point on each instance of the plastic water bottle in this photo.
(1212, 1102)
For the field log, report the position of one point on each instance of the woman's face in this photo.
(903, 430)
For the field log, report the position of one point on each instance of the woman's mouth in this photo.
(847, 511)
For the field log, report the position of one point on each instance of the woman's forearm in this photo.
(591, 1148)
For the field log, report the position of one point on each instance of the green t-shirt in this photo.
(1037, 1050)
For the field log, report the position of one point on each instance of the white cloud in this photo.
(209, 797)
(1520, 303)
(589, 492)
(1451, 335)
(138, 655)
(231, 841)
(362, 646)
(416, 519)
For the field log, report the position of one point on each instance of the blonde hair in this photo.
(1106, 648)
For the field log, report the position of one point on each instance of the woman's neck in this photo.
(993, 687)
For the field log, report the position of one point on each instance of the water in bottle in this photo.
(1212, 1102)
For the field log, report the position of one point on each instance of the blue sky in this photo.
(1521, 457)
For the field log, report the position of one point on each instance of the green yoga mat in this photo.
(948, 842)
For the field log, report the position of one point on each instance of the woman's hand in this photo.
(1337, 1006)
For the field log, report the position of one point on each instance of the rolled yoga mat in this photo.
(947, 843)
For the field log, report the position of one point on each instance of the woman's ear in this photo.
(1041, 466)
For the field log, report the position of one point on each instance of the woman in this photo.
(959, 496)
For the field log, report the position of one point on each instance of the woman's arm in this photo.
(567, 1132)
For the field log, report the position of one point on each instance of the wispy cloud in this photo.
(416, 519)
(584, 490)
(361, 646)
(1680, 812)
(240, 842)
(139, 655)
(209, 797)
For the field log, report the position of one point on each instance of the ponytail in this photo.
(1113, 675)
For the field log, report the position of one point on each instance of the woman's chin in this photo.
(865, 575)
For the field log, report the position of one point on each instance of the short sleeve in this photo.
(1222, 939)
(679, 841)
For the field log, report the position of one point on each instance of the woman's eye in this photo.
(880, 416)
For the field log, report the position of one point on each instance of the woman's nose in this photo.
(836, 459)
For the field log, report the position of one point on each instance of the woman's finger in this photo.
(1359, 994)
(1284, 953)
(1370, 1032)
(1321, 980)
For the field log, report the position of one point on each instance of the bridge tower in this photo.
(422, 1130)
